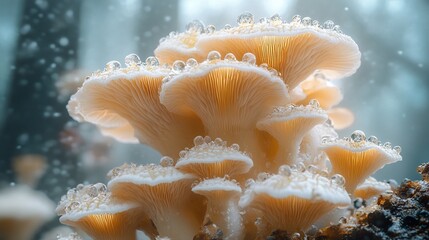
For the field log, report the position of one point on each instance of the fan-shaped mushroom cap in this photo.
(341, 117)
(22, 212)
(294, 49)
(357, 158)
(324, 91)
(90, 208)
(229, 97)
(29, 168)
(222, 207)
(209, 159)
(293, 200)
(124, 103)
(164, 194)
(371, 188)
(289, 125)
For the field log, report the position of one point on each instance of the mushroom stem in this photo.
(226, 215)
(175, 225)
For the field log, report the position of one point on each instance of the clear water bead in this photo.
(245, 18)
(397, 149)
(337, 29)
(328, 24)
(199, 140)
(373, 139)
(213, 56)
(358, 136)
(276, 19)
(227, 27)
(152, 61)
(183, 153)
(314, 103)
(387, 145)
(263, 176)
(166, 161)
(315, 23)
(178, 66)
(207, 139)
(338, 179)
(101, 187)
(296, 19)
(191, 63)
(285, 170)
(112, 66)
(306, 21)
(195, 26)
(166, 79)
(235, 147)
(132, 60)
(325, 139)
(249, 58)
(264, 20)
(230, 57)
(211, 29)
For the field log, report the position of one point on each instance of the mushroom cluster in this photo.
(245, 119)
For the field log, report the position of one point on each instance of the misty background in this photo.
(42, 42)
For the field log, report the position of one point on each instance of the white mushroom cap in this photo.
(293, 200)
(371, 188)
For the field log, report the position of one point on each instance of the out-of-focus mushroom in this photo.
(229, 97)
(319, 88)
(124, 103)
(210, 159)
(29, 168)
(293, 199)
(164, 194)
(295, 49)
(222, 206)
(341, 117)
(90, 208)
(288, 125)
(371, 188)
(22, 212)
(356, 158)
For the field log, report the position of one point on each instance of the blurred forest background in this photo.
(47, 45)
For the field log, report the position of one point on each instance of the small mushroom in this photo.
(164, 194)
(371, 188)
(341, 117)
(321, 89)
(222, 206)
(29, 168)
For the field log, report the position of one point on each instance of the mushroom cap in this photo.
(357, 159)
(294, 49)
(293, 200)
(124, 103)
(29, 168)
(213, 159)
(322, 90)
(217, 187)
(180, 46)
(371, 188)
(341, 117)
(289, 125)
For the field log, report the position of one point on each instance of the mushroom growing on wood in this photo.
(356, 158)
(91, 209)
(164, 194)
(293, 200)
(222, 205)
(124, 103)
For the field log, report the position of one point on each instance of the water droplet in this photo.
(325, 139)
(245, 18)
(182, 154)
(227, 27)
(198, 140)
(230, 57)
(249, 183)
(387, 145)
(112, 66)
(191, 63)
(337, 29)
(296, 19)
(172, 34)
(167, 161)
(211, 29)
(152, 61)
(397, 149)
(264, 20)
(315, 23)
(338, 179)
(263, 176)
(306, 21)
(314, 103)
(101, 187)
(373, 139)
(92, 191)
(285, 170)
(235, 147)
(79, 187)
(300, 167)
(219, 142)
(207, 139)
(161, 40)
(328, 24)
(249, 58)
(132, 60)
(166, 79)
(276, 19)
(213, 55)
(178, 66)
(358, 136)
(195, 26)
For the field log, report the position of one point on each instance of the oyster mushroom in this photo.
(164, 194)
(22, 212)
(91, 209)
(293, 200)
(356, 158)
(124, 103)
(371, 188)
(222, 206)
(321, 89)
(29, 168)
(210, 159)
(341, 117)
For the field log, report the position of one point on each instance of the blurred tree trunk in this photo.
(46, 49)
